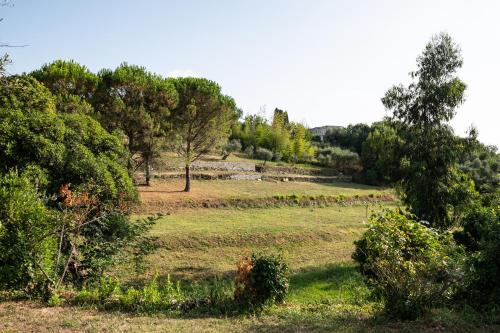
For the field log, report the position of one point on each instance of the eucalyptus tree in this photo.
(432, 186)
(137, 103)
(201, 120)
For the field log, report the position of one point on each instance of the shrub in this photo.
(339, 159)
(481, 236)
(410, 267)
(263, 154)
(249, 151)
(94, 234)
(261, 280)
(231, 147)
(27, 250)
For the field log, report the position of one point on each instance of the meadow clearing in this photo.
(198, 245)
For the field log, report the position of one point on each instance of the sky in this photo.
(325, 62)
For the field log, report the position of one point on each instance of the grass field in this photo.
(195, 245)
(170, 192)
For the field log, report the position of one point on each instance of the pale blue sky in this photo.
(326, 62)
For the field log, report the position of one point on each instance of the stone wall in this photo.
(223, 166)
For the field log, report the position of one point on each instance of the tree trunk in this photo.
(148, 172)
(188, 179)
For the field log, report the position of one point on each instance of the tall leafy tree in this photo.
(278, 137)
(431, 185)
(138, 103)
(201, 120)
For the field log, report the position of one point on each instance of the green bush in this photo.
(261, 280)
(409, 267)
(481, 237)
(339, 159)
(249, 151)
(27, 248)
(263, 154)
(232, 146)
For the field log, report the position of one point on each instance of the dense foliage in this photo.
(288, 141)
(27, 246)
(339, 159)
(66, 191)
(351, 137)
(409, 266)
(64, 148)
(482, 164)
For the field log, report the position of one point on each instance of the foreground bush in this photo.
(481, 237)
(261, 280)
(410, 267)
(27, 255)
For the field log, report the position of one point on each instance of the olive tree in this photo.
(201, 120)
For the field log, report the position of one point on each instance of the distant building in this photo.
(321, 131)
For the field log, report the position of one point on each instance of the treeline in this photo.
(70, 141)
(376, 153)
(147, 112)
(278, 140)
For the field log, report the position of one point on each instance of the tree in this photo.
(351, 137)
(202, 118)
(72, 84)
(51, 150)
(4, 61)
(138, 103)
(380, 153)
(263, 154)
(68, 148)
(431, 185)
(278, 137)
(300, 148)
(231, 147)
